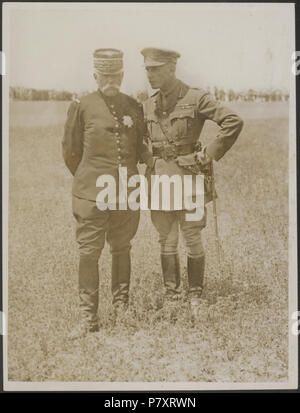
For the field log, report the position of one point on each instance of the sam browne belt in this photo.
(172, 150)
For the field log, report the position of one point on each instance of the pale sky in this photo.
(237, 46)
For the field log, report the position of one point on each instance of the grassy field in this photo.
(243, 332)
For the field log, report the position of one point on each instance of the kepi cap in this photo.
(108, 61)
(158, 57)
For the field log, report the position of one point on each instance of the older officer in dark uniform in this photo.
(104, 132)
(175, 117)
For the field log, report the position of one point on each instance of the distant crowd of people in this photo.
(250, 95)
(22, 93)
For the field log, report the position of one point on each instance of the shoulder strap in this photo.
(164, 131)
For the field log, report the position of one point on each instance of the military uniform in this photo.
(101, 135)
(175, 120)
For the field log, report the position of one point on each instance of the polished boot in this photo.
(195, 268)
(171, 275)
(121, 268)
(88, 297)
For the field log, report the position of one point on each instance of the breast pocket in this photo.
(182, 121)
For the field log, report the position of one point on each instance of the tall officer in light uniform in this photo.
(175, 116)
(103, 132)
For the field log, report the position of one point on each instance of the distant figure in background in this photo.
(221, 95)
(103, 132)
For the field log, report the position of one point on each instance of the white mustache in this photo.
(112, 86)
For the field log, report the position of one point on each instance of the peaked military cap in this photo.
(108, 61)
(158, 57)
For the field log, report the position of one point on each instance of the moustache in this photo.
(110, 86)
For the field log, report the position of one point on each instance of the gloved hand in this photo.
(203, 158)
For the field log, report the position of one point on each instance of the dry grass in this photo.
(243, 334)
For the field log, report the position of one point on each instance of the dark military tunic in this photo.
(102, 134)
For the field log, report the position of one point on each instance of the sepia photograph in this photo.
(149, 197)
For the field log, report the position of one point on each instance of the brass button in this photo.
(117, 134)
(119, 157)
(119, 149)
(118, 140)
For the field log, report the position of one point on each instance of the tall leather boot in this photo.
(195, 268)
(121, 268)
(171, 274)
(88, 297)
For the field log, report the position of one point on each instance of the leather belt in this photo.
(171, 151)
